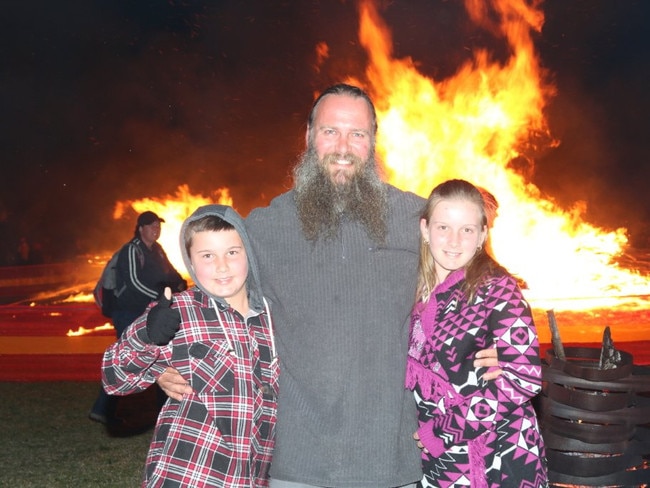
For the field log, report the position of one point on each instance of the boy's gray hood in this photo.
(229, 215)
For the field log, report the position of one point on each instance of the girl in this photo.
(472, 432)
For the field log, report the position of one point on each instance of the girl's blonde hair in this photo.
(481, 267)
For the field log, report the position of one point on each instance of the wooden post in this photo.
(555, 335)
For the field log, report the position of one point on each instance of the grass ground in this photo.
(48, 441)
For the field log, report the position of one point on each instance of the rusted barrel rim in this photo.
(560, 442)
(588, 432)
(637, 414)
(569, 463)
(582, 364)
(593, 400)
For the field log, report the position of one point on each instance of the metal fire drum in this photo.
(594, 412)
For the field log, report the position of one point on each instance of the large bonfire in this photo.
(476, 125)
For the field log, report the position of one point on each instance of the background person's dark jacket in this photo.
(142, 274)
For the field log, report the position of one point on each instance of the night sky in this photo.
(110, 100)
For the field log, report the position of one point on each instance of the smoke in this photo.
(597, 54)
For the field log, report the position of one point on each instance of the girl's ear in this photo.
(424, 229)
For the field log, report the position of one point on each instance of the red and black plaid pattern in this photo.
(222, 434)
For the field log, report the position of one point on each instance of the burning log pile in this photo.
(595, 415)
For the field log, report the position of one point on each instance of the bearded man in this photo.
(338, 258)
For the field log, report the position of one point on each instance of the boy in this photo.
(218, 336)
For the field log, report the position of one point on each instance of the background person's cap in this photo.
(148, 217)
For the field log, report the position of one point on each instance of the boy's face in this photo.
(221, 266)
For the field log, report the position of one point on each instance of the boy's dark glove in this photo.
(162, 321)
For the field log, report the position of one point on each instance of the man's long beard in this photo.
(323, 205)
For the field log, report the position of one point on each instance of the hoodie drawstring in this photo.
(231, 349)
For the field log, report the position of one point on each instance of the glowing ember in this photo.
(83, 331)
(79, 298)
(473, 126)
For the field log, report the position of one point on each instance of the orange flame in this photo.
(174, 209)
(82, 331)
(473, 126)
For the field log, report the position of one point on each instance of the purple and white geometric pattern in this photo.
(488, 430)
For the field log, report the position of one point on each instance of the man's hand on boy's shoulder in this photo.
(487, 358)
(173, 384)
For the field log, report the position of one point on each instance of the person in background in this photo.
(218, 336)
(471, 432)
(338, 261)
(143, 272)
(23, 252)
